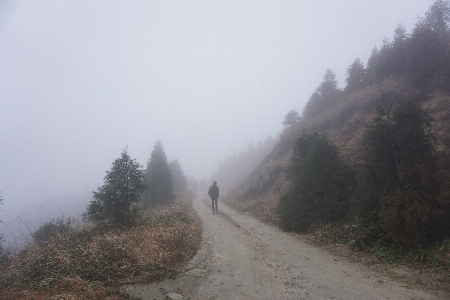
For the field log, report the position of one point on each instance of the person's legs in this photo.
(216, 200)
(212, 201)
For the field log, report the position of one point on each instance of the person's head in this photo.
(214, 183)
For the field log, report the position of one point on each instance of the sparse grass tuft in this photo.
(93, 264)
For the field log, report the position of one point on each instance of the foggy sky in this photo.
(80, 80)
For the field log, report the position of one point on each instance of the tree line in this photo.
(398, 186)
(399, 190)
(421, 57)
(128, 188)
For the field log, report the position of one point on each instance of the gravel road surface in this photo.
(242, 258)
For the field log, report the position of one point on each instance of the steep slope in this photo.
(344, 122)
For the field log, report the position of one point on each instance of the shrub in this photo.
(321, 186)
(53, 228)
(399, 176)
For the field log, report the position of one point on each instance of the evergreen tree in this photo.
(372, 72)
(325, 96)
(400, 35)
(291, 118)
(328, 89)
(179, 180)
(400, 180)
(355, 76)
(380, 161)
(113, 202)
(390, 59)
(398, 52)
(437, 17)
(428, 60)
(158, 178)
(314, 106)
(321, 186)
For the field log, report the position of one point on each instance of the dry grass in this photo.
(428, 269)
(262, 205)
(344, 124)
(93, 264)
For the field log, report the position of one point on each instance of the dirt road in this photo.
(241, 258)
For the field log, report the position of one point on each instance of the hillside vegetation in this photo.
(140, 227)
(94, 264)
(236, 168)
(369, 165)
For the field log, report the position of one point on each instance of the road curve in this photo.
(242, 258)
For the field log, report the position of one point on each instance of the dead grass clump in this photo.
(93, 264)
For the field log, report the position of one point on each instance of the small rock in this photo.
(174, 296)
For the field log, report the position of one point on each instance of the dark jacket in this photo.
(213, 191)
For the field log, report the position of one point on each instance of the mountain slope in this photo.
(344, 122)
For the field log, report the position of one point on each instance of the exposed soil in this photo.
(242, 258)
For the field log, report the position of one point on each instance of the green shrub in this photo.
(402, 189)
(321, 186)
(53, 228)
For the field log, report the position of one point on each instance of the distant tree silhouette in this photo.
(291, 118)
(113, 201)
(355, 76)
(437, 17)
(398, 51)
(428, 59)
(328, 89)
(422, 57)
(158, 178)
(400, 35)
(386, 62)
(372, 72)
(180, 183)
(325, 95)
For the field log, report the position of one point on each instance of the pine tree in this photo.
(355, 76)
(113, 202)
(437, 17)
(158, 178)
(179, 180)
(328, 89)
(325, 96)
(400, 182)
(428, 60)
(291, 118)
(321, 185)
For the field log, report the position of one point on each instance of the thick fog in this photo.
(80, 80)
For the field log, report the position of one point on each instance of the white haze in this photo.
(80, 80)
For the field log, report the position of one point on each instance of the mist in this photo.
(80, 80)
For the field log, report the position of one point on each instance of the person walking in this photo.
(213, 192)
